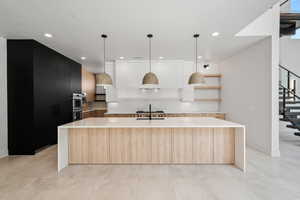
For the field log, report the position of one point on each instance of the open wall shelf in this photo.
(208, 100)
(208, 88)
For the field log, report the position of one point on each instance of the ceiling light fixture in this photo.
(196, 78)
(83, 58)
(161, 57)
(199, 57)
(122, 58)
(215, 34)
(103, 79)
(48, 35)
(150, 80)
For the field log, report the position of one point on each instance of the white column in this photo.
(3, 98)
(62, 148)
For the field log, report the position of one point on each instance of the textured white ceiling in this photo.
(76, 26)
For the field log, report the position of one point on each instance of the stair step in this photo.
(284, 119)
(295, 120)
(289, 16)
(293, 127)
(293, 107)
(297, 134)
(291, 102)
(287, 97)
(292, 113)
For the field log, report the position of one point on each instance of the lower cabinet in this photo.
(87, 114)
(152, 145)
(182, 145)
(161, 145)
(140, 145)
(120, 147)
(89, 146)
(94, 113)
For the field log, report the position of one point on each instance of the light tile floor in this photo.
(36, 178)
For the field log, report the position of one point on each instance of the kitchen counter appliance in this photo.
(77, 102)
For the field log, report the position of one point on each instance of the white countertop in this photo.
(173, 122)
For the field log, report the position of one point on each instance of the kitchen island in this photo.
(179, 140)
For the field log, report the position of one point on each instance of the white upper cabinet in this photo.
(129, 74)
(169, 73)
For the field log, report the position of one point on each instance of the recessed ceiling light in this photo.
(215, 34)
(122, 57)
(161, 57)
(83, 58)
(199, 57)
(48, 35)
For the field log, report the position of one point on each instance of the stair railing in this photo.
(288, 82)
(284, 2)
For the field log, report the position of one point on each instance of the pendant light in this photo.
(150, 78)
(103, 79)
(196, 78)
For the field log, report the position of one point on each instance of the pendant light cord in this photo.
(196, 60)
(150, 54)
(104, 53)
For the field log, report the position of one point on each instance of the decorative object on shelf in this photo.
(103, 79)
(150, 80)
(196, 78)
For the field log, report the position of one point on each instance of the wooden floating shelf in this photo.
(208, 88)
(212, 75)
(207, 100)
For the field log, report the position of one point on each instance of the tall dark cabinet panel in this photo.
(40, 87)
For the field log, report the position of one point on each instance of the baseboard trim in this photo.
(3, 153)
(258, 148)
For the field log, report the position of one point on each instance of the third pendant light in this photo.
(196, 78)
(150, 78)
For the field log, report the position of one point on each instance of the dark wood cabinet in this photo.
(40, 86)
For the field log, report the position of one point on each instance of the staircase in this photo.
(289, 22)
(289, 98)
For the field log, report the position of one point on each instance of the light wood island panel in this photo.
(152, 145)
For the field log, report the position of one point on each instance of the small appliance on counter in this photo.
(77, 102)
(150, 115)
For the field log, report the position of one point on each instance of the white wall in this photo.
(289, 54)
(246, 92)
(265, 25)
(3, 98)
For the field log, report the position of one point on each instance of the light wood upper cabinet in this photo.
(88, 84)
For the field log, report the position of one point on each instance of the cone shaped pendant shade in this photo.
(103, 79)
(150, 78)
(196, 78)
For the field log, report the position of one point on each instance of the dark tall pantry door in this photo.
(54, 79)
